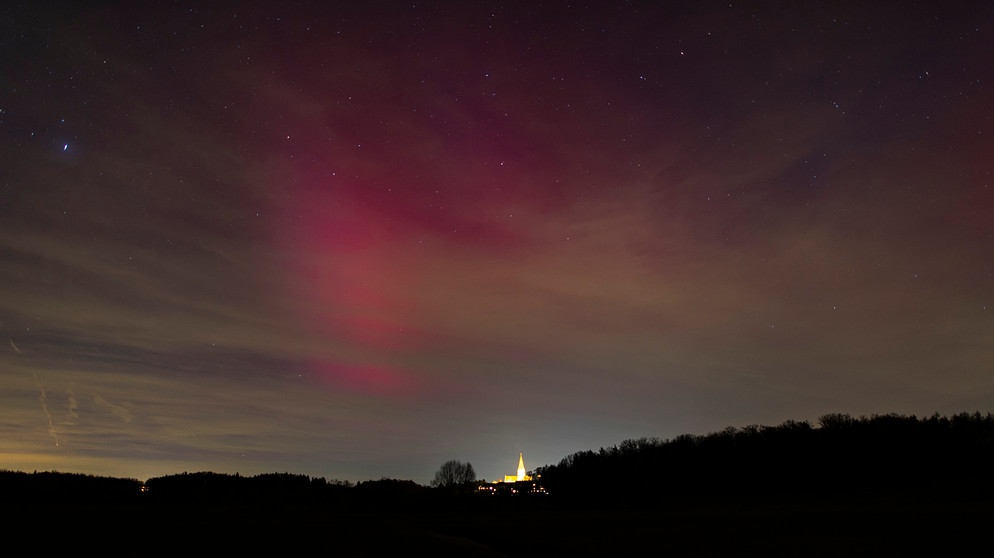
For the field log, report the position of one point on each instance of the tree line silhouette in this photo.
(878, 485)
(842, 457)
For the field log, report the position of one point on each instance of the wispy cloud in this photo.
(44, 407)
(119, 411)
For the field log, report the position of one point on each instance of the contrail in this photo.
(44, 403)
(44, 407)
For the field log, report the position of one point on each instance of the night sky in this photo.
(354, 241)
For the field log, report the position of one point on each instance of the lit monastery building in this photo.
(522, 474)
(520, 483)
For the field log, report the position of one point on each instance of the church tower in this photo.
(522, 472)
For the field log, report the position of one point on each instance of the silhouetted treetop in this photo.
(50, 487)
(844, 454)
(454, 473)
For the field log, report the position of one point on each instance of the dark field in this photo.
(868, 528)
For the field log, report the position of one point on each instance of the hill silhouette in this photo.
(844, 457)
(878, 485)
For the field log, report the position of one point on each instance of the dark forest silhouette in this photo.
(844, 456)
(858, 485)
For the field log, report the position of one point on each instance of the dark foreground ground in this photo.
(870, 527)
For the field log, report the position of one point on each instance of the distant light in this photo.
(65, 147)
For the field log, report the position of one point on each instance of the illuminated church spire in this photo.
(522, 473)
